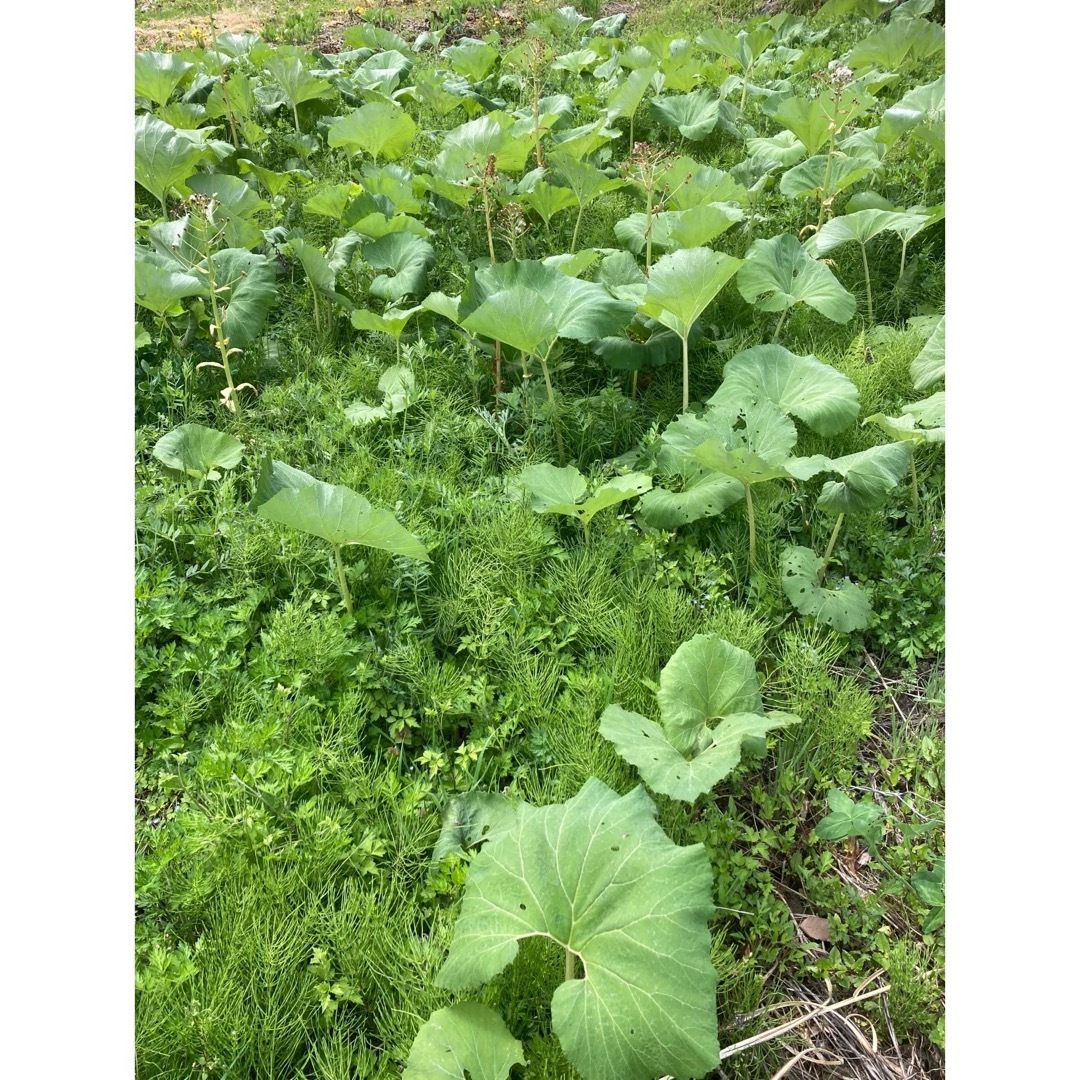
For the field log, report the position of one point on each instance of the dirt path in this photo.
(182, 32)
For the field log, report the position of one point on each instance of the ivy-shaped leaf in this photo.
(844, 608)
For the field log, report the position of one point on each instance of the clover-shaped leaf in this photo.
(849, 818)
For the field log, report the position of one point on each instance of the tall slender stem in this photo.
(487, 222)
(750, 520)
(832, 543)
(686, 373)
(569, 969)
(869, 295)
(221, 342)
(833, 129)
(315, 306)
(914, 491)
(633, 384)
(783, 316)
(903, 260)
(577, 225)
(551, 401)
(648, 232)
(343, 585)
(825, 189)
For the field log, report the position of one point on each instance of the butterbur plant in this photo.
(183, 260)
(710, 710)
(333, 512)
(681, 286)
(598, 876)
(566, 491)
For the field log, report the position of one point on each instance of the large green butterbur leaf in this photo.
(861, 226)
(398, 386)
(408, 256)
(597, 875)
(471, 58)
(322, 268)
(824, 398)
(331, 511)
(923, 104)
(548, 199)
(816, 177)
(164, 156)
(672, 229)
(701, 492)
(157, 75)
(198, 451)
(161, 283)
(563, 491)
(778, 274)
(898, 42)
(627, 95)
(918, 423)
(692, 184)
(296, 81)
(466, 149)
(710, 709)
(246, 290)
(706, 678)
(693, 115)
(382, 130)
(383, 72)
(784, 148)
(464, 1040)
(529, 304)
(753, 453)
(868, 477)
(929, 366)
(812, 120)
(684, 283)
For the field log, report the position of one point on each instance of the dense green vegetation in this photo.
(540, 532)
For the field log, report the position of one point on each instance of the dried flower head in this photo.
(511, 220)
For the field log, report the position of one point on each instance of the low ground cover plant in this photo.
(539, 549)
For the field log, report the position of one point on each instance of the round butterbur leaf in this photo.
(844, 608)
(198, 451)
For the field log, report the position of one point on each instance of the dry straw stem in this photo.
(783, 1029)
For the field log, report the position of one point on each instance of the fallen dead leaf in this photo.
(814, 926)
